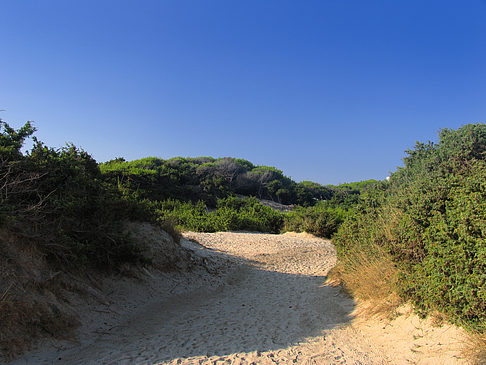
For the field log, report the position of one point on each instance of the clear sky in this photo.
(327, 90)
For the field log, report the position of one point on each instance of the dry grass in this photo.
(28, 305)
(22, 322)
(438, 319)
(170, 227)
(475, 349)
(371, 280)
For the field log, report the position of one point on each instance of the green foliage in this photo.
(322, 219)
(58, 199)
(353, 187)
(431, 218)
(186, 184)
(232, 214)
(208, 179)
(11, 140)
(309, 192)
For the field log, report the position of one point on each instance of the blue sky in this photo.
(328, 91)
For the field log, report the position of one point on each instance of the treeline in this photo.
(209, 179)
(429, 221)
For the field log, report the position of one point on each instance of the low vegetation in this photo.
(324, 217)
(373, 279)
(321, 219)
(231, 214)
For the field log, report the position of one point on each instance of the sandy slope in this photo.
(267, 305)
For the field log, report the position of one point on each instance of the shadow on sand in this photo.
(256, 310)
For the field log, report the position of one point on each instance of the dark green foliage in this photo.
(58, 200)
(205, 182)
(309, 192)
(322, 219)
(353, 187)
(208, 179)
(11, 140)
(431, 218)
(347, 195)
(74, 207)
(183, 189)
(232, 214)
(324, 216)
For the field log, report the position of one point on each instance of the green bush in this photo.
(231, 214)
(431, 218)
(210, 179)
(56, 198)
(322, 220)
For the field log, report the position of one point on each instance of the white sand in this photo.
(257, 299)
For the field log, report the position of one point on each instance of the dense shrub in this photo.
(431, 219)
(231, 214)
(321, 220)
(56, 198)
(208, 179)
(183, 190)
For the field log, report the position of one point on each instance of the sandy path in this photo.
(271, 308)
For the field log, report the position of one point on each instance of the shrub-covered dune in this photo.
(60, 225)
(429, 222)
